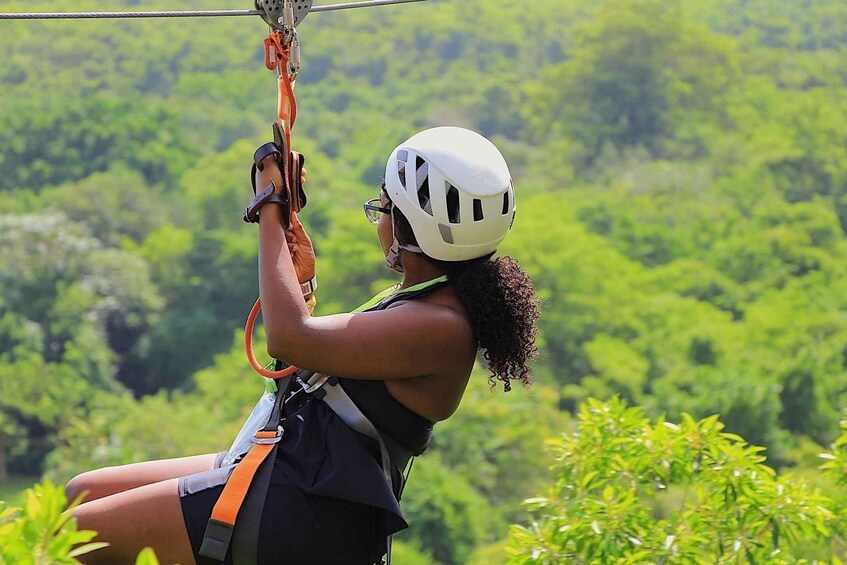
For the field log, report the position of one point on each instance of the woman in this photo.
(447, 203)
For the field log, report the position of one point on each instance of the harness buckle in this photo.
(263, 437)
(312, 385)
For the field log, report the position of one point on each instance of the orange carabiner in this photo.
(248, 347)
(277, 58)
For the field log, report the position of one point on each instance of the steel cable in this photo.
(185, 14)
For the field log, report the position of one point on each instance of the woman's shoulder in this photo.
(441, 311)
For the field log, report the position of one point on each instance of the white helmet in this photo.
(455, 189)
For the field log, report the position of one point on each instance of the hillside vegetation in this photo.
(681, 171)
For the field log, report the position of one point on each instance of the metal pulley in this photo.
(284, 15)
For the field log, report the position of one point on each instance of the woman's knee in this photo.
(82, 486)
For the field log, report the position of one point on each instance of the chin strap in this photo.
(394, 258)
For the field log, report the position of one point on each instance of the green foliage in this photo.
(681, 180)
(147, 557)
(71, 141)
(124, 430)
(631, 80)
(836, 460)
(57, 276)
(33, 408)
(407, 554)
(13, 488)
(617, 468)
(208, 280)
(44, 532)
(836, 467)
(40, 533)
(495, 441)
(448, 517)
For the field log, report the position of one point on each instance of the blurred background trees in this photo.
(682, 178)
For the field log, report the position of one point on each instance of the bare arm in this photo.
(411, 339)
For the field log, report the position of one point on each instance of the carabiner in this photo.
(294, 62)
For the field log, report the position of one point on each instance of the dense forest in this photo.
(681, 175)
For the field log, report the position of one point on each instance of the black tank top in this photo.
(407, 428)
(322, 456)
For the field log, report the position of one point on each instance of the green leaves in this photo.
(629, 491)
(44, 532)
(41, 533)
(147, 557)
(836, 459)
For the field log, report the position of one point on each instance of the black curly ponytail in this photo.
(500, 301)
(501, 304)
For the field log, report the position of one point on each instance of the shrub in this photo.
(614, 474)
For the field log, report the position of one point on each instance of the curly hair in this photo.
(501, 303)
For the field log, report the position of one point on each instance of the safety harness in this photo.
(236, 517)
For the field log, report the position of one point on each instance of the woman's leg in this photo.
(146, 516)
(111, 480)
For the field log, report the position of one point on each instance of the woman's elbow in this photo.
(283, 343)
(278, 348)
(284, 334)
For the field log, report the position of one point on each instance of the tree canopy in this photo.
(681, 176)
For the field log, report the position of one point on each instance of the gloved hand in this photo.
(301, 249)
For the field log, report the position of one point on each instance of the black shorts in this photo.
(296, 527)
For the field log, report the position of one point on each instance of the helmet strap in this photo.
(394, 258)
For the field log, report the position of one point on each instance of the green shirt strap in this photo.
(396, 290)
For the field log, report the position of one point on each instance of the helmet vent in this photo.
(446, 233)
(402, 158)
(453, 212)
(505, 203)
(422, 176)
(477, 210)
(424, 199)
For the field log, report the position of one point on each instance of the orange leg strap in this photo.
(221, 525)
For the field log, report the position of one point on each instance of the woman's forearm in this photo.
(283, 307)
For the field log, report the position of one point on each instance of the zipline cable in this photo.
(185, 14)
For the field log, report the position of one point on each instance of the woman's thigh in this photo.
(147, 516)
(110, 480)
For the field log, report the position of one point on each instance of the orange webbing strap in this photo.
(277, 58)
(221, 525)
